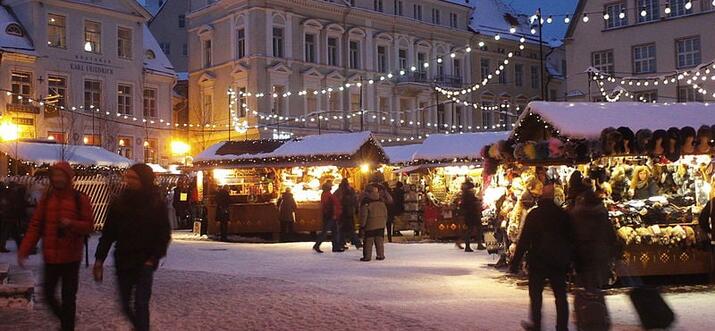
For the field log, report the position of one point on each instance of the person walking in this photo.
(330, 211)
(546, 239)
(373, 219)
(286, 213)
(471, 208)
(396, 209)
(137, 221)
(223, 201)
(62, 219)
(348, 200)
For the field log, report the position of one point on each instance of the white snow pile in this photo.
(209, 154)
(401, 154)
(439, 147)
(588, 119)
(326, 144)
(48, 153)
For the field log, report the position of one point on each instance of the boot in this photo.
(316, 248)
(468, 249)
(481, 247)
(528, 326)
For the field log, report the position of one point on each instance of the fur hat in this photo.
(629, 140)
(657, 143)
(687, 140)
(611, 141)
(570, 150)
(506, 150)
(556, 148)
(643, 138)
(519, 153)
(672, 145)
(542, 150)
(704, 136)
(493, 152)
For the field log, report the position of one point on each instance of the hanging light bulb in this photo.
(688, 5)
(549, 19)
(522, 40)
(468, 49)
(644, 12)
(497, 37)
(567, 19)
(667, 9)
(512, 29)
(622, 14)
(585, 18)
(533, 31)
(481, 44)
(606, 16)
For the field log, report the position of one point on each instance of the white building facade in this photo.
(86, 72)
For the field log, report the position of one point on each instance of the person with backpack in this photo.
(62, 219)
(373, 219)
(546, 241)
(138, 222)
(330, 211)
(286, 213)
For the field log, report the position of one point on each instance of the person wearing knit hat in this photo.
(62, 219)
(138, 222)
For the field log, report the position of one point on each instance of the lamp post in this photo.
(11, 132)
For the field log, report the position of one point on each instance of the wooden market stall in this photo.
(257, 178)
(650, 162)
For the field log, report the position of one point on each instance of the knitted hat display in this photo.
(687, 138)
(519, 152)
(556, 148)
(629, 140)
(643, 138)
(702, 145)
(570, 150)
(672, 145)
(506, 150)
(594, 149)
(658, 142)
(609, 141)
(493, 152)
(530, 150)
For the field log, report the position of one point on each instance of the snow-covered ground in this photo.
(210, 285)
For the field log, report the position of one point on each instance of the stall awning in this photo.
(401, 154)
(231, 150)
(443, 147)
(48, 153)
(586, 120)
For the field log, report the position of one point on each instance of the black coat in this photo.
(596, 242)
(223, 201)
(139, 225)
(547, 237)
(286, 207)
(471, 208)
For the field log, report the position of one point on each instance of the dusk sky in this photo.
(548, 7)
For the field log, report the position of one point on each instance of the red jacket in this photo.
(328, 200)
(59, 245)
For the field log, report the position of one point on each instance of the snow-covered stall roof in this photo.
(11, 42)
(160, 63)
(586, 120)
(48, 153)
(401, 154)
(439, 147)
(231, 150)
(325, 144)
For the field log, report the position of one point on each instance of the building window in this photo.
(184, 49)
(402, 58)
(240, 43)
(687, 52)
(21, 88)
(617, 15)
(278, 92)
(354, 102)
(151, 147)
(424, 115)
(182, 21)
(56, 31)
(399, 4)
(124, 43)
(165, 48)
(519, 75)
(440, 116)
(56, 136)
(457, 68)
(56, 92)
(502, 76)
(484, 68)
(435, 16)
(382, 59)
(457, 118)
(124, 99)
(650, 8)
(125, 146)
(92, 93)
(242, 102)
(207, 107)
(453, 20)
(417, 11)
(14, 29)
(354, 55)
(646, 96)
(378, 5)
(689, 94)
(207, 53)
(310, 48)
(311, 103)
(277, 42)
(603, 61)
(150, 102)
(92, 37)
(486, 115)
(334, 101)
(333, 51)
(534, 77)
(644, 59)
(92, 139)
(440, 70)
(421, 60)
(677, 7)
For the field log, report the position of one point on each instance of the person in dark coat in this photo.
(596, 243)
(706, 220)
(223, 202)
(13, 214)
(330, 212)
(137, 221)
(546, 237)
(396, 209)
(347, 197)
(286, 212)
(471, 208)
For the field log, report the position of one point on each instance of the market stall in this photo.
(256, 179)
(651, 163)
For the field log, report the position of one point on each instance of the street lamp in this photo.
(180, 148)
(10, 132)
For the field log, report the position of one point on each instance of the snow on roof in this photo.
(587, 119)
(233, 150)
(401, 154)
(160, 63)
(183, 75)
(12, 43)
(452, 146)
(48, 153)
(326, 144)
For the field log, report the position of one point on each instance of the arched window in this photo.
(14, 29)
(150, 55)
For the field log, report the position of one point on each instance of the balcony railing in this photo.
(20, 108)
(422, 77)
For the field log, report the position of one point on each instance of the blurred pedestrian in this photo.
(471, 209)
(62, 219)
(396, 209)
(373, 219)
(348, 207)
(286, 213)
(330, 211)
(223, 202)
(546, 241)
(137, 221)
